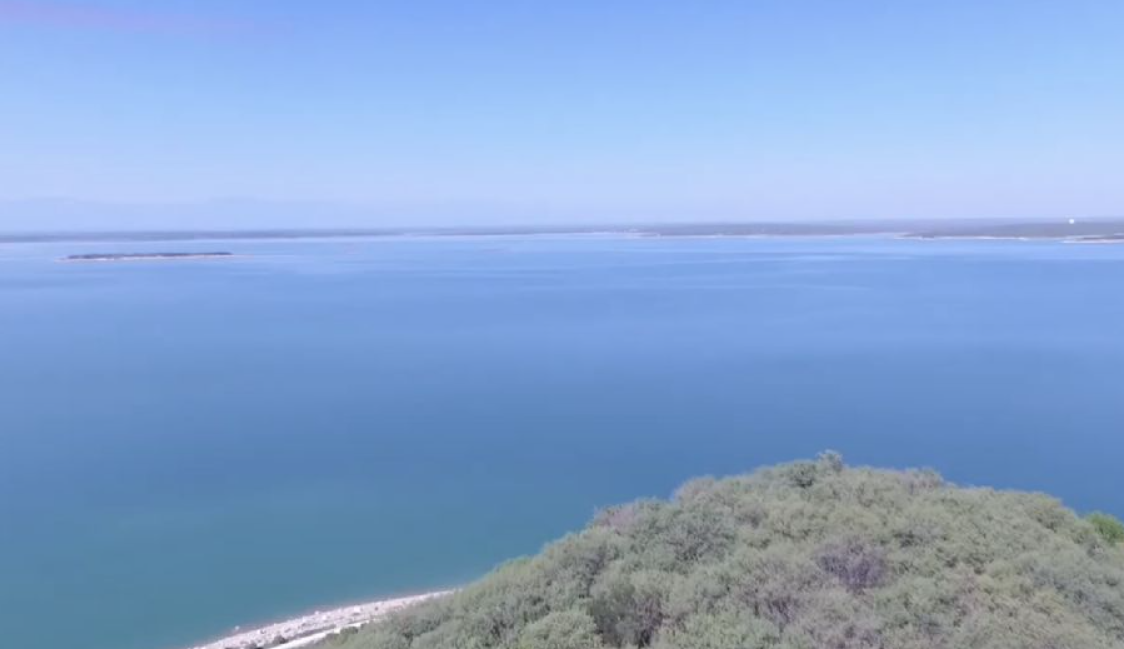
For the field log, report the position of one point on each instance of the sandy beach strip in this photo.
(309, 629)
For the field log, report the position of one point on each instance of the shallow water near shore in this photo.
(186, 446)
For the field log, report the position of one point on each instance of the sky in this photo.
(356, 112)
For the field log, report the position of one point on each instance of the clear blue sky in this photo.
(585, 109)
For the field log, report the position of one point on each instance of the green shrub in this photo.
(1109, 527)
(570, 629)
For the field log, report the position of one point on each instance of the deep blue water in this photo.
(190, 445)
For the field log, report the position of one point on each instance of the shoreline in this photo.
(310, 628)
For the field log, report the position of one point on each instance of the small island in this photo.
(145, 256)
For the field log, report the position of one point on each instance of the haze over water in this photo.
(190, 445)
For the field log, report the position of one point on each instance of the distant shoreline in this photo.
(1106, 239)
(1054, 229)
(309, 629)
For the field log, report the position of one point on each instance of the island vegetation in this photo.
(809, 555)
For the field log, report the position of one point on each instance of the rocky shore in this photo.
(309, 629)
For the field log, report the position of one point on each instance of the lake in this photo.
(188, 445)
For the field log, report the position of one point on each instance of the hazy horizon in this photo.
(62, 215)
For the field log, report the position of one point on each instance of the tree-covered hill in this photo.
(810, 555)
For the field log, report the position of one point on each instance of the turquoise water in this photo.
(190, 445)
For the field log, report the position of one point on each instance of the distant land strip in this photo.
(1097, 230)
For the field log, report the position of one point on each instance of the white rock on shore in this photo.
(308, 629)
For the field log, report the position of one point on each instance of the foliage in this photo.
(808, 555)
(1108, 526)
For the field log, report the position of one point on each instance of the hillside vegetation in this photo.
(810, 555)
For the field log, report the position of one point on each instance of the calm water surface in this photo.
(190, 445)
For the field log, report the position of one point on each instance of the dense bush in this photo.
(1107, 526)
(811, 555)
